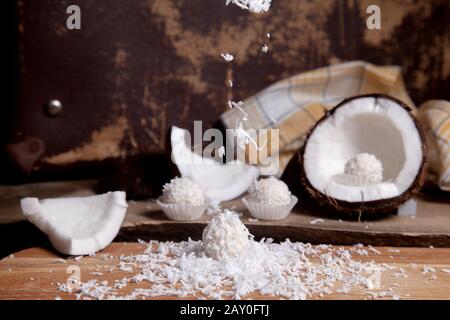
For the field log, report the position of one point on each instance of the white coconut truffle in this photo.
(270, 191)
(366, 166)
(183, 191)
(225, 236)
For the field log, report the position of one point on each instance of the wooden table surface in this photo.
(33, 273)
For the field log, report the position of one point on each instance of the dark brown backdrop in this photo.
(137, 67)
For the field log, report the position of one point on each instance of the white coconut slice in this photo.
(78, 226)
(378, 132)
(220, 182)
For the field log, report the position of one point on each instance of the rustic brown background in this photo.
(137, 67)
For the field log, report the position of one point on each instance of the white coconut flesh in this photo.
(375, 126)
(78, 226)
(220, 182)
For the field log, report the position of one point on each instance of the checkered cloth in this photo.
(435, 117)
(295, 104)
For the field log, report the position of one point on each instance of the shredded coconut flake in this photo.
(227, 57)
(316, 221)
(221, 151)
(287, 270)
(265, 48)
(428, 269)
(255, 6)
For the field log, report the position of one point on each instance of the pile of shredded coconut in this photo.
(255, 6)
(288, 270)
(183, 191)
(225, 236)
(270, 191)
(211, 269)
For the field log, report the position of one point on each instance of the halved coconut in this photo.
(367, 155)
(220, 182)
(78, 226)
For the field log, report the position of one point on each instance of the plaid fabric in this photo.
(295, 104)
(435, 116)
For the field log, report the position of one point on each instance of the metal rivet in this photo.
(53, 108)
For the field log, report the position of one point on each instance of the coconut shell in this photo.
(371, 207)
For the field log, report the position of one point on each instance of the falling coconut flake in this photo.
(221, 151)
(255, 6)
(265, 48)
(227, 57)
(242, 136)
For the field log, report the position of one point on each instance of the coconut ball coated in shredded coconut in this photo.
(225, 236)
(270, 191)
(183, 191)
(365, 165)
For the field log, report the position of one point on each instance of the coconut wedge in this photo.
(78, 226)
(368, 134)
(220, 182)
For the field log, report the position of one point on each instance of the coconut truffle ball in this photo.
(366, 166)
(183, 191)
(225, 236)
(270, 191)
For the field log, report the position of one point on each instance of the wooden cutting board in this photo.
(308, 223)
(33, 273)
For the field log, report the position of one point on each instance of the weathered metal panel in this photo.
(138, 67)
